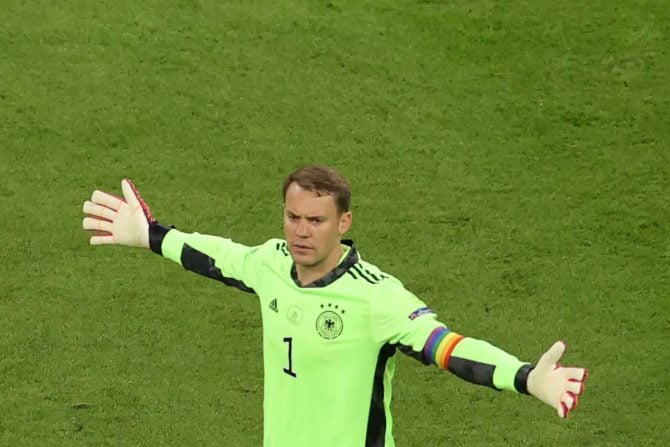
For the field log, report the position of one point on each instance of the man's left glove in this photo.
(123, 221)
(554, 384)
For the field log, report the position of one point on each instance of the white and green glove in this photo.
(555, 385)
(116, 220)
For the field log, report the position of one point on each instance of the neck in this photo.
(309, 274)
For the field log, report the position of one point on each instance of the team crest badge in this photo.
(329, 323)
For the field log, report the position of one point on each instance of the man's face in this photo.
(312, 225)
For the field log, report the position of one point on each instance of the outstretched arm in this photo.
(128, 221)
(401, 319)
(482, 363)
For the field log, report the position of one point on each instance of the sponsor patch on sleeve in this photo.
(422, 311)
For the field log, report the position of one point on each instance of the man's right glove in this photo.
(554, 384)
(117, 220)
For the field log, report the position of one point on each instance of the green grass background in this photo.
(510, 163)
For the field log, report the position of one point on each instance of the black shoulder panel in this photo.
(198, 262)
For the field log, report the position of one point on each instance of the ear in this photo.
(345, 222)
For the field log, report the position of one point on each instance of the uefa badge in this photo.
(329, 323)
(294, 314)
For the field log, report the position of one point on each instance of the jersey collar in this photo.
(341, 269)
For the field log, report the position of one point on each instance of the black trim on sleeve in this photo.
(157, 233)
(472, 371)
(407, 350)
(521, 378)
(198, 262)
(376, 432)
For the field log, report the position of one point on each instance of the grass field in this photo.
(510, 163)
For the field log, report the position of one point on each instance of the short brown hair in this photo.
(324, 181)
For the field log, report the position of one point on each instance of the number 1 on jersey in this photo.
(289, 370)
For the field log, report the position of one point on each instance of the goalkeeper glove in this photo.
(554, 384)
(123, 221)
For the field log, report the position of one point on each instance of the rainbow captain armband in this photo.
(476, 361)
(440, 345)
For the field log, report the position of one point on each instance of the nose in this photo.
(302, 229)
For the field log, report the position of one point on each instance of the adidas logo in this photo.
(273, 305)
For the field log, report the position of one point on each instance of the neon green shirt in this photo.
(327, 347)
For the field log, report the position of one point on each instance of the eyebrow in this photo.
(315, 216)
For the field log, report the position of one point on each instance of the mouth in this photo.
(301, 247)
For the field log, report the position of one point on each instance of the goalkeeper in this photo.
(332, 322)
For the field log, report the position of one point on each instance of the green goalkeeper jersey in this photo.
(327, 347)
